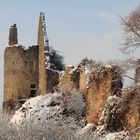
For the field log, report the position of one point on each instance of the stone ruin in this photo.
(107, 105)
(96, 82)
(27, 73)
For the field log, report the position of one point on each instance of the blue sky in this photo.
(76, 28)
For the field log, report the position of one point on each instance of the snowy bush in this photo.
(73, 102)
(49, 130)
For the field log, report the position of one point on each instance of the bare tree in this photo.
(131, 28)
(131, 35)
(57, 60)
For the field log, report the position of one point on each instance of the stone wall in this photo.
(96, 83)
(20, 72)
(97, 86)
(66, 81)
(96, 96)
(131, 108)
(123, 112)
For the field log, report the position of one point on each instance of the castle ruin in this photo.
(26, 71)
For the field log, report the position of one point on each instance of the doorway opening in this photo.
(33, 90)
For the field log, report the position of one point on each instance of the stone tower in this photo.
(44, 57)
(20, 71)
(137, 74)
(13, 38)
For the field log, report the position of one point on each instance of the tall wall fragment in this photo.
(43, 49)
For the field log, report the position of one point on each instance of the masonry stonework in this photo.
(26, 72)
(96, 85)
(42, 68)
(20, 72)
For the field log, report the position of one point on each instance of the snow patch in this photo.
(39, 108)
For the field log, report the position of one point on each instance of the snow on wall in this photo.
(46, 41)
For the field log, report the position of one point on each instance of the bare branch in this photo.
(130, 77)
(131, 28)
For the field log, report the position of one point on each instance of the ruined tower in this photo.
(27, 72)
(137, 74)
(13, 38)
(20, 71)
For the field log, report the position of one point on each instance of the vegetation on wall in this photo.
(57, 60)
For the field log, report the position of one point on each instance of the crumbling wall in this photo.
(42, 56)
(131, 108)
(20, 72)
(122, 113)
(103, 82)
(97, 95)
(96, 82)
(67, 79)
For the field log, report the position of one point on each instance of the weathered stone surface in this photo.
(42, 56)
(66, 81)
(122, 113)
(100, 83)
(131, 108)
(25, 72)
(20, 72)
(96, 82)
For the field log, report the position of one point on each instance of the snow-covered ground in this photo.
(39, 108)
(49, 108)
